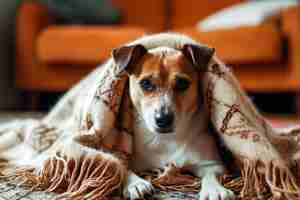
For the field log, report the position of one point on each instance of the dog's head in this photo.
(164, 82)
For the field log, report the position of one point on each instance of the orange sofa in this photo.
(53, 58)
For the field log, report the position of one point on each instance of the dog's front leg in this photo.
(211, 188)
(136, 187)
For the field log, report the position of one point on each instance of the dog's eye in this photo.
(147, 85)
(182, 84)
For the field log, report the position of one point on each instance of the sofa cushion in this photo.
(243, 45)
(82, 44)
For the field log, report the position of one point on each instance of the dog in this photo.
(170, 122)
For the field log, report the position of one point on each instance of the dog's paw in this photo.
(138, 189)
(216, 193)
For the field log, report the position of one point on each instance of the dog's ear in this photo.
(126, 56)
(198, 55)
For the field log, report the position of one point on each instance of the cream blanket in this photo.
(81, 148)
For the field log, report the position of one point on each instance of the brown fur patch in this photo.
(162, 69)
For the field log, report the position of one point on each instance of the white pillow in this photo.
(250, 13)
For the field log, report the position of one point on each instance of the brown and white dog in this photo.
(170, 121)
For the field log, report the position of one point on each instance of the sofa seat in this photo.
(82, 45)
(243, 45)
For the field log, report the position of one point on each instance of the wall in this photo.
(8, 93)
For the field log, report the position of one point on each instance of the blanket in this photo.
(81, 149)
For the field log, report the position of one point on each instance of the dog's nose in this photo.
(164, 118)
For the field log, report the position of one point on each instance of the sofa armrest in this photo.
(290, 22)
(31, 19)
(290, 18)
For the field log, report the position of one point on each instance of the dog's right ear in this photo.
(126, 56)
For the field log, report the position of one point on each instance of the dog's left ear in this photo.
(198, 55)
(127, 56)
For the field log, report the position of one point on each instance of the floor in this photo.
(9, 116)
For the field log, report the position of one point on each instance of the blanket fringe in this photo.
(173, 179)
(265, 181)
(282, 182)
(89, 177)
(95, 177)
(257, 180)
(253, 182)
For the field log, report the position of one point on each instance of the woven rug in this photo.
(13, 192)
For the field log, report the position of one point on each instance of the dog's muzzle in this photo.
(164, 119)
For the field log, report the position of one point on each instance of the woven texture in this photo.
(13, 192)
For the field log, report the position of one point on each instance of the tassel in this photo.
(271, 182)
(253, 182)
(172, 179)
(282, 182)
(89, 177)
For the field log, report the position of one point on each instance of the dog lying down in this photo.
(170, 122)
(151, 106)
